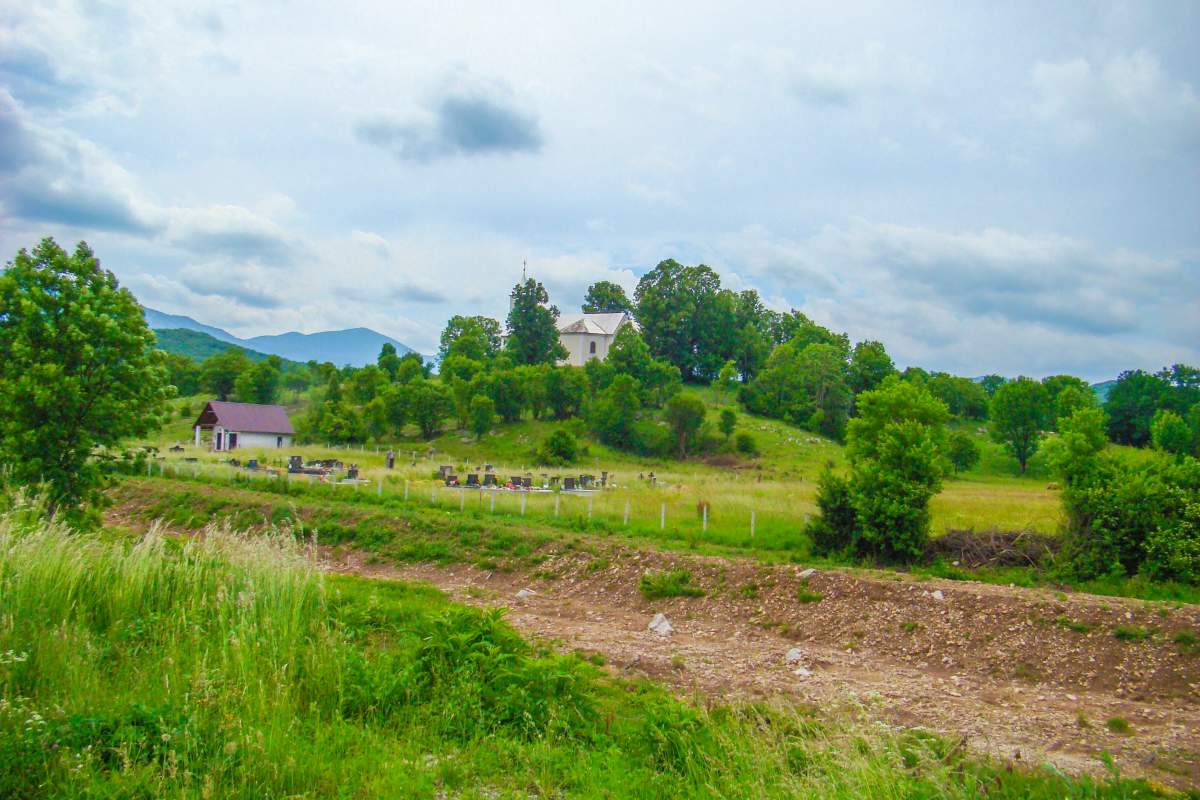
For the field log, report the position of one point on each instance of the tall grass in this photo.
(229, 666)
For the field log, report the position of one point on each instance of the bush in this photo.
(833, 529)
(746, 444)
(728, 421)
(671, 583)
(652, 439)
(185, 410)
(962, 451)
(558, 449)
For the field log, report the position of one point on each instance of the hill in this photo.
(1102, 389)
(353, 346)
(198, 345)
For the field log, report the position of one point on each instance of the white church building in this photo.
(588, 336)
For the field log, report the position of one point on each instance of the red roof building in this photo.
(230, 426)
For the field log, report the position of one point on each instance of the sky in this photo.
(984, 187)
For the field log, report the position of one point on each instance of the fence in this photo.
(649, 513)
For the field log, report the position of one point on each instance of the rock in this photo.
(661, 625)
(806, 574)
(937, 595)
(793, 655)
(803, 672)
(521, 595)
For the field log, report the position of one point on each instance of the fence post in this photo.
(751, 524)
(379, 487)
(627, 513)
(589, 506)
(433, 496)
(662, 520)
(557, 498)
(522, 504)
(406, 489)
(704, 522)
(493, 508)
(462, 499)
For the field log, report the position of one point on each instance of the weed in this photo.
(1119, 725)
(1063, 621)
(1187, 641)
(911, 627)
(1081, 719)
(598, 564)
(749, 591)
(669, 583)
(806, 595)
(1132, 633)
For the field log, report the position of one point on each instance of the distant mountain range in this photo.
(354, 346)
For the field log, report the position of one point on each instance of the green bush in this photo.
(962, 451)
(833, 529)
(670, 583)
(558, 449)
(746, 444)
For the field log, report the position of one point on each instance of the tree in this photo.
(1071, 399)
(728, 422)
(388, 360)
(962, 451)
(869, 365)
(895, 448)
(258, 384)
(613, 413)
(79, 372)
(483, 411)
(219, 373)
(1020, 412)
(1170, 434)
(685, 414)
(991, 383)
(630, 355)
(566, 389)
(606, 297)
(532, 326)
(507, 389)
(822, 370)
(686, 318)
(726, 382)
(476, 338)
(183, 373)
(1131, 404)
(428, 406)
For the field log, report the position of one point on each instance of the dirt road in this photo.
(1027, 675)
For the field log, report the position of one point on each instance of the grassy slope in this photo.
(779, 486)
(229, 667)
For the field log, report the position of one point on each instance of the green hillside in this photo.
(199, 346)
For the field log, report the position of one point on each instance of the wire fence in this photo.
(643, 511)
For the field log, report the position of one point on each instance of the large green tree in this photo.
(1131, 404)
(869, 365)
(259, 383)
(687, 318)
(606, 296)
(79, 372)
(532, 326)
(1020, 412)
(219, 373)
(476, 338)
(685, 415)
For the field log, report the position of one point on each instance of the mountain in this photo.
(1102, 389)
(198, 345)
(354, 346)
(157, 321)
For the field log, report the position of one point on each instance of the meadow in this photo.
(230, 666)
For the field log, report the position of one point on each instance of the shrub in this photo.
(685, 413)
(671, 583)
(833, 529)
(185, 410)
(652, 439)
(482, 412)
(728, 421)
(558, 449)
(746, 444)
(962, 451)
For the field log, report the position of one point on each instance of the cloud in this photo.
(983, 300)
(248, 284)
(1128, 95)
(842, 82)
(53, 176)
(472, 123)
(231, 231)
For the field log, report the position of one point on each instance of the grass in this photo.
(229, 666)
(806, 595)
(668, 583)
(1119, 725)
(1132, 633)
(1187, 641)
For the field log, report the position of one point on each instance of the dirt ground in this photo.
(998, 666)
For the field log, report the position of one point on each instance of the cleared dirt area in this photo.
(998, 666)
(1029, 675)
